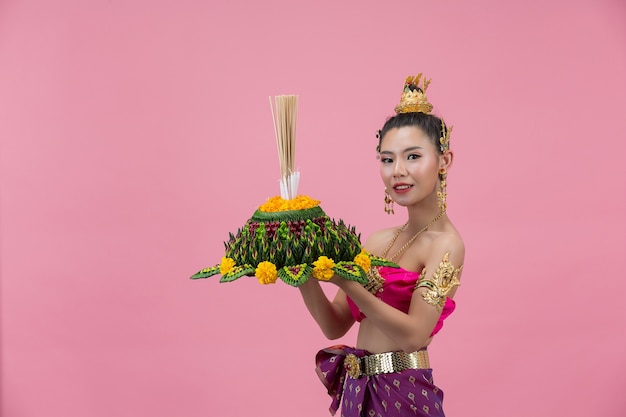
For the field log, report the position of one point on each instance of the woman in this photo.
(400, 309)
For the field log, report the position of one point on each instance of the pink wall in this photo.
(137, 134)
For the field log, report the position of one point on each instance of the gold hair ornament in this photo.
(445, 278)
(414, 100)
(444, 140)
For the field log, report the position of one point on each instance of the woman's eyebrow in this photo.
(412, 148)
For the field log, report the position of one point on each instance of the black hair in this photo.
(430, 124)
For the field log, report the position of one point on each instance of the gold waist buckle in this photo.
(385, 363)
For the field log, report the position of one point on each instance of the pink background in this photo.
(137, 134)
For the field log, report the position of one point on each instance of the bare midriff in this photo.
(374, 340)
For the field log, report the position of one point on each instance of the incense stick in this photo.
(284, 115)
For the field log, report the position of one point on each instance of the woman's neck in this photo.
(421, 215)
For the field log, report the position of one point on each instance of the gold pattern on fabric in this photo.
(445, 278)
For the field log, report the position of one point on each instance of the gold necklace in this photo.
(374, 280)
(407, 244)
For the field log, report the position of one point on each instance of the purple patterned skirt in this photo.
(407, 393)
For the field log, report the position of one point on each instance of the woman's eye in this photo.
(386, 160)
(413, 156)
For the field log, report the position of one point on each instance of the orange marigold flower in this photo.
(363, 260)
(266, 273)
(227, 265)
(276, 204)
(323, 268)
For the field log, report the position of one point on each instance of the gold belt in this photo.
(385, 363)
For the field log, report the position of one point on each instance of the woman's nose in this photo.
(398, 169)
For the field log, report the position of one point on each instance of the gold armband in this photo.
(445, 278)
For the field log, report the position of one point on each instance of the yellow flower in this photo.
(266, 273)
(323, 268)
(276, 204)
(363, 260)
(227, 265)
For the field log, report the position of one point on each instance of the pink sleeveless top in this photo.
(397, 291)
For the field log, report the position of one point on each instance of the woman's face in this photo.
(409, 165)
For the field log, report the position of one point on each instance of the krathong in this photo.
(290, 237)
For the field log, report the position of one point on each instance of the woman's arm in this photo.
(410, 331)
(334, 318)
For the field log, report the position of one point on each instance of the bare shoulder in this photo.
(449, 245)
(449, 241)
(377, 242)
(434, 246)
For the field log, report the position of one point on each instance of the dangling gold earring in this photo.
(388, 203)
(442, 193)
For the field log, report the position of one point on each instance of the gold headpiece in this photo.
(413, 98)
